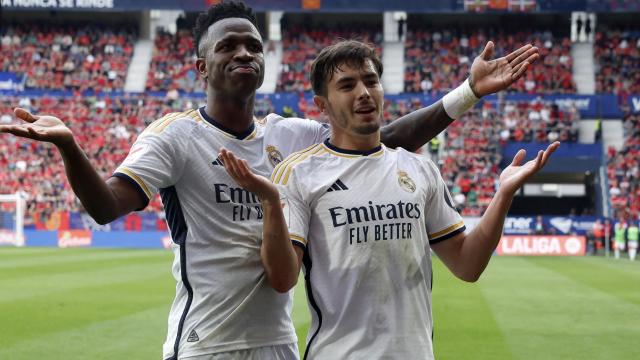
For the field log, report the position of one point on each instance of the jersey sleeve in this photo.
(296, 210)
(156, 159)
(442, 219)
(322, 131)
(311, 131)
(301, 133)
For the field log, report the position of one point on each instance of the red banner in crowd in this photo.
(57, 220)
(74, 238)
(542, 245)
(311, 4)
(499, 4)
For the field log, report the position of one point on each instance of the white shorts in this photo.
(619, 245)
(274, 352)
(633, 244)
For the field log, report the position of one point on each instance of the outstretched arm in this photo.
(105, 201)
(486, 77)
(467, 255)
(281, 260)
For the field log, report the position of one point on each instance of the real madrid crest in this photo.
(405, 182)
(274, 155)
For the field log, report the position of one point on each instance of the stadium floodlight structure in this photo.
(13, 233)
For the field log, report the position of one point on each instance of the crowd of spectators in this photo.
(302, 44)
(470, 161)
(394, 109)
(104, 127)
(624, 173)
(263, 106)
(67, 57)
(439, 60)
(617, 54)
(473, 146)
(173, 63)
(92, 57)
(538, 121)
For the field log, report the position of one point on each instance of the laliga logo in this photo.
(542, 245)
(572, 246)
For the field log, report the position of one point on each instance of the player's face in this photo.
(354, 99)
(233, 60)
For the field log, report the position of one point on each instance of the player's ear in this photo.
(201, 65)
(320, 102)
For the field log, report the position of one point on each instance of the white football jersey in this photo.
(223, 302)
(367, 220)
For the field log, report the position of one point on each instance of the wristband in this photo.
(459, 100)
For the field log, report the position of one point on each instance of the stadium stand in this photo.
(81, 57)
(395, 109)
(618, 56)
(173, 63)
(538, 121)
(67, 57)
(624, 173)
(104, 127)
(470, 163)
(439, 60)
(617, 53)
(302, 44)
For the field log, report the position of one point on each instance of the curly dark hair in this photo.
(222, 10)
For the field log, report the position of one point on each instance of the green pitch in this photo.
(113, 304)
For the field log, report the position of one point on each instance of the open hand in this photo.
(41, 128)
(240, 171)
(490, 76)
(515, 175)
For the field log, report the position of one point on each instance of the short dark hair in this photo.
(222, 10)
(350, 52)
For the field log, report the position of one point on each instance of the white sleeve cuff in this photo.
(459, 100)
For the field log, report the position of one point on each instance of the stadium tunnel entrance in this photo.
(570, 183)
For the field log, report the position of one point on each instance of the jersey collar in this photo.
(376, 151)
(244, 135)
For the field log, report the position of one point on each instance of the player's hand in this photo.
(490, 76)
(515, 175)
(41, 128)
(240, 171)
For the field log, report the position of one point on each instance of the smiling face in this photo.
(353, 99)
(232, 58)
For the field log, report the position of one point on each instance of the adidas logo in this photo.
(337, 186)
(193, 336)
(217, 162)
